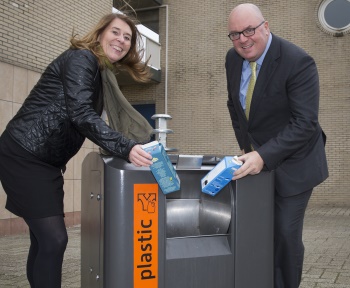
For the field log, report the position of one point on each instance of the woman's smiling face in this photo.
(115, 40)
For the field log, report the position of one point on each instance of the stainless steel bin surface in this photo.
(196, 240)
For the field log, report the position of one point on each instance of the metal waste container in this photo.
(134, 236)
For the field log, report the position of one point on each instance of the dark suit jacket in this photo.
(283, 122)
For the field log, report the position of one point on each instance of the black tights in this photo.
(48, 242)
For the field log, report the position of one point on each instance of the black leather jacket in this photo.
(63, 108)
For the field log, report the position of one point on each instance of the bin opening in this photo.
(199, 217)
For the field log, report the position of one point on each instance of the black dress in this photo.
(34, 188)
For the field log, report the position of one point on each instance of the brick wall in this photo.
(32, 33)
(197, 84)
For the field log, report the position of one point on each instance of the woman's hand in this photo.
(140, 157)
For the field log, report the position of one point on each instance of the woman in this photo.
(60, 112)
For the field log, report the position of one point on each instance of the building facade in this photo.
(32, 34)
(194, 42)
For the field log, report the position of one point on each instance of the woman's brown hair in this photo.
(131, 62)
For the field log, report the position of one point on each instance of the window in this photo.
(334, 16)
(147, 111)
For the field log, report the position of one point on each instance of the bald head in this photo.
(246, 9)
(251, 31)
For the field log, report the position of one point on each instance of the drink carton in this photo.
(220, 175)
(162, 168)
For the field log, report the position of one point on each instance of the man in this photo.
(278, 129)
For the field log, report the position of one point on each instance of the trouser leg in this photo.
(289, 248)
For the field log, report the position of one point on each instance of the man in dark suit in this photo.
(278, 129)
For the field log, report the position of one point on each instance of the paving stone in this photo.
(326, 264)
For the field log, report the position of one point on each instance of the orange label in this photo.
(146, 236)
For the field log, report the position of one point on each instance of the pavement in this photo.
(326, 264)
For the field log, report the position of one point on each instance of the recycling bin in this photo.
(134, 236)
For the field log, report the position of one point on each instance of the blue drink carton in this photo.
(220, 175)
(162, 168)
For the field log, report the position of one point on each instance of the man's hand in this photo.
(252, 164)
(140, 157)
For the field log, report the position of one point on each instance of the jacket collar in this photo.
(267, 69)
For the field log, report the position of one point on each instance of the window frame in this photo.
(324, 24)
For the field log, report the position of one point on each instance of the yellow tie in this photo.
(250, 90)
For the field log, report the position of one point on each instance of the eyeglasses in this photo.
(247, 32)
